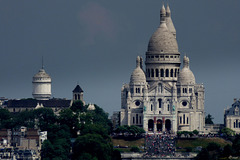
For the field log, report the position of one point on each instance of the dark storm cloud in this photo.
(96, 43)
(97, 21)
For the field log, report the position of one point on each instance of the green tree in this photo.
(45, 117)
(101, 117)
(208, 119)
(47, 151)
(196, 132)
(95, 129)
(135, 149)
(5, 119)
(24, 118)
(93, 144)
(204, 154)
(211, 152)
(58, 143)
(86, 156)
(132, 130)
(227, 151)
(213, 146)
(78, 106)
(69, 118)
(116, 154)
(227, 132)
(236, 145)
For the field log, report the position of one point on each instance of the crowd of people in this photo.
(160, 145)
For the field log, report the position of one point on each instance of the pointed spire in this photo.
(162, 14)
(42, 63)
(168, 11)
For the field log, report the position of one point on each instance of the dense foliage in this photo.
(213, 151)
(129, 131)
(227, 132)
(89, 129)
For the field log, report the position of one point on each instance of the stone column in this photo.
(155, 127)
(163, 127)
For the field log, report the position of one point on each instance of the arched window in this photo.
(175, 72)
(138, 90)
(151, 107)
(234, 125)
(168, 107)
(180, 120)
(159, 103)
(152, 72)
(162, 73)
(157, 73)
(133, 120)
(187, 120)
(167, 72)
(148, 72)
(171, 72)
(75, 97)
(78, 96)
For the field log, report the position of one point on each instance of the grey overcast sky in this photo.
(95, 43)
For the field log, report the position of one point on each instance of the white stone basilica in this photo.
(163, 97)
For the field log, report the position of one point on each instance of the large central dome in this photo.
(163, 40)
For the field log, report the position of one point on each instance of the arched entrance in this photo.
(159, 125)
(150, 125)
(168, 125)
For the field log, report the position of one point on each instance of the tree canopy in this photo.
(90, 128)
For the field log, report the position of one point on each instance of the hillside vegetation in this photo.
(203, 142)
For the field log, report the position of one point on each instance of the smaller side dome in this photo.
(138, 76)
(186, 76)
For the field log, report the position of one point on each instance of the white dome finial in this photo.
(185, 62)
(162, 14)
(138, 61)
(168, 11)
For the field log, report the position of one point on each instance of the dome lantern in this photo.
(138, 76)
(186, 76)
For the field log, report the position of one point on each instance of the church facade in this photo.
(163, 97)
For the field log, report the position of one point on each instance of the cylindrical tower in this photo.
(162, 57)
(41, 85)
